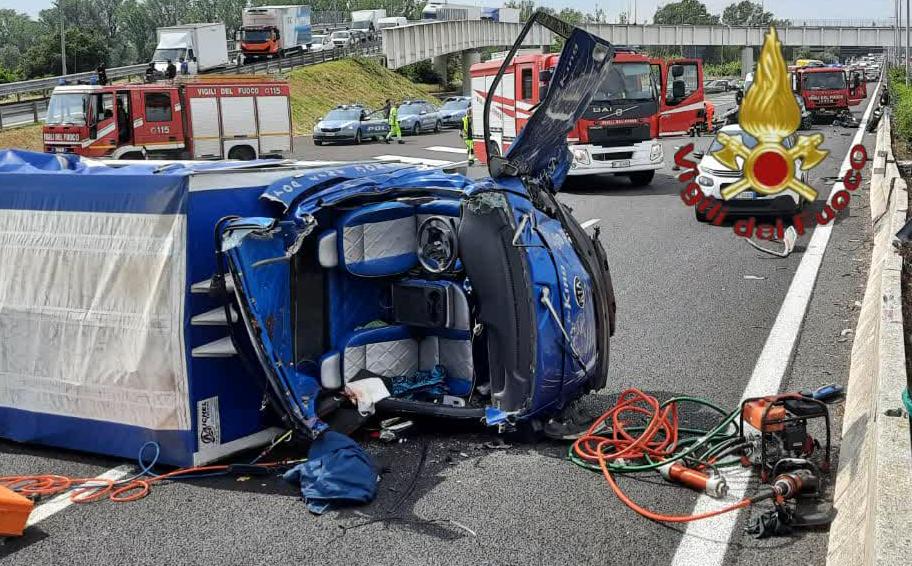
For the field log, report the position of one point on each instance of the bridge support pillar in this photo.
(747, 61)
(440, 67)
(469, 58)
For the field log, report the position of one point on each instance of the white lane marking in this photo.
(706, 542)
(444, 149)
(413, 160)
(63, 500)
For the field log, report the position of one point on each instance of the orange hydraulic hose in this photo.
(595, 448)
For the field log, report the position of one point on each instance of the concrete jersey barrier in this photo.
(873, 491)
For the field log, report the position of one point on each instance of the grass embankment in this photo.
(901, 101)
(314, 90)
(24, 137)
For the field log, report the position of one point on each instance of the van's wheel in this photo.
(641, 178)
(358, 137)
(416, 129)
(132, 156)
(242, 153)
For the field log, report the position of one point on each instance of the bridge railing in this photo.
(409, 44)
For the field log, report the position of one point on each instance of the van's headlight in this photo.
(581, 156)
(705, 181)
(656, 153)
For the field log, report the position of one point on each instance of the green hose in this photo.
(715, 440)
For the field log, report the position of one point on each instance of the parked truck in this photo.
(203, 46)
(194, 118)
(367, 22)
(442, 10)
(640, 99)
(828, 92)
(275, 31)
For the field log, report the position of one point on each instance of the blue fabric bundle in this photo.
(337, 471)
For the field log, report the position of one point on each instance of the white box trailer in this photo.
(205, 46)
(275, 30)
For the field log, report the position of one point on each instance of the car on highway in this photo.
(352, 123)
(422, 292)
(713, 176)
(342, 38)
(715, 87)
(418, 116)
(454, 109)
(322, 43)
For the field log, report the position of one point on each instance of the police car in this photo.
(352, 123)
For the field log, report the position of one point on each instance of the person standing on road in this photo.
(467, 136)
(386, 108)
(184, 66)
(393, 119)
(170, 70)
(150, 73)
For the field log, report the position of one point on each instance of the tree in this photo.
(747, 13)
(85, 49)
(526, 8)
(685, 12)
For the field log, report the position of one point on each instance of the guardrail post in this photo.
(1, 118)
(35, 111)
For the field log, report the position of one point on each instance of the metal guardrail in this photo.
(38, 85)
(22, 113)
(304, 59)
(48, 83)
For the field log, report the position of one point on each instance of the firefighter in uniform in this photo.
(467, 136)
(395, 130)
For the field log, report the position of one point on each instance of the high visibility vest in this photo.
(394, 114)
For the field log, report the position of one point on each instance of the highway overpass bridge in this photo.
(436, 40)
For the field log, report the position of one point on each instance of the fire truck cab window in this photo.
(104, 106)
(825, 81)
(526, 78)
(690, 78)
(626, 81)
(158, 107)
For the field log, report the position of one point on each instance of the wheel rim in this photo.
(416, 129)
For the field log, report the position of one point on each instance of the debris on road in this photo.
(337, 472)
(755, 277)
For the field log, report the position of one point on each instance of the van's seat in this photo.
(378, 240)
(396, 350)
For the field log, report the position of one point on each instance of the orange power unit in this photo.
(14, 512)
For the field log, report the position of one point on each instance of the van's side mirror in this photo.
(677, 71)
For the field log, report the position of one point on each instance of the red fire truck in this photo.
(201, 118)
(829, 91)
(641, 99)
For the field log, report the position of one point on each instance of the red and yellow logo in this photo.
(770, 113)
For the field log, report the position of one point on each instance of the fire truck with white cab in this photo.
(199, 118)
(639, 99)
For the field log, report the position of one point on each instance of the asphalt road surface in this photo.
(696, 306)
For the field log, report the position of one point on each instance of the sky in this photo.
(795, 9)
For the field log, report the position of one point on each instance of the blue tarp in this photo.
(337, 471)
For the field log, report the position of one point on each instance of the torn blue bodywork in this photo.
(384, 270)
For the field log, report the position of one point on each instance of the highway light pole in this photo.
(907, 42)
(63, 68)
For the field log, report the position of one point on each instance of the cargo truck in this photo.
(367, 22)
(275, 31)
(204, 46)
(441, 10)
